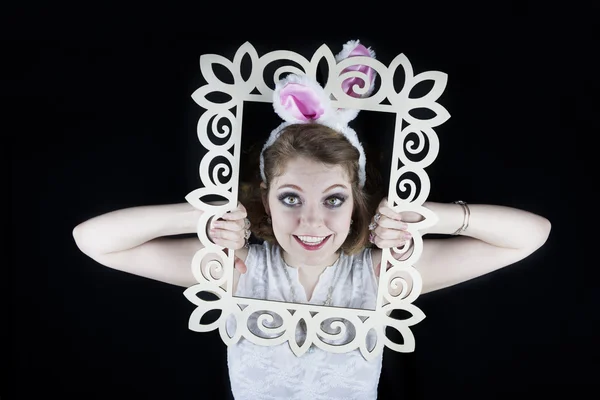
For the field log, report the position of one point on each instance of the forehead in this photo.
(305, 172)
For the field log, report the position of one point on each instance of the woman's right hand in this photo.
(231, 231)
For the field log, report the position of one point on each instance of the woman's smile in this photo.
(312, 243)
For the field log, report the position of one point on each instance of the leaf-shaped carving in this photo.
(200, 94)
(398, 99)
(207, 62)
(195, 199)
(204, 306)
(236, 315)
(373, 331)
(322, 53)
(295, 323)
(244, 87)
(404, 104)
(402, 326)
(441, 114)
(440, 81)
(239, 86)
(426, 217)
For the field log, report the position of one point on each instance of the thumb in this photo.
(240, 265)
(377, 270)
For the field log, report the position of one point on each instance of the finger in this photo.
(391, 234)
(237, 213)
(222, 234)
(230, 244)
(240, 265)
(390, 223)
(377, 270)
(386, 243)
(234, 226)
(389, 213)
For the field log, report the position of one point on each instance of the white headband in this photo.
(298, 99)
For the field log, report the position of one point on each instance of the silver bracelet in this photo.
(467, 217)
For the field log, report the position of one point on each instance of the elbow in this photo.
(81, 241)
(78, 237)
(541, 232)
(546, 227)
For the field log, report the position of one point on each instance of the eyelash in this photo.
(338, 197)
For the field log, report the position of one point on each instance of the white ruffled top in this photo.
(274, 372)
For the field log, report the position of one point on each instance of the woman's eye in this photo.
(334, 202)
(290, 200)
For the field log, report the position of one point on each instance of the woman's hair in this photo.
(318, 143)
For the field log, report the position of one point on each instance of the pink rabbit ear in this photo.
(352, 49)
(298, 99)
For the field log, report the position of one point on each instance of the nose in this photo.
(312, 215)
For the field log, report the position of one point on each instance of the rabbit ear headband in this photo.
(298, 99)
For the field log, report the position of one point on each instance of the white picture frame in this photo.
(399, 286)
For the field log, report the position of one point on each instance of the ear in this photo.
(264, 195)
(354, 49)
(299, 99)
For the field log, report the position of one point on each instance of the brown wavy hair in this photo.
(318, 143)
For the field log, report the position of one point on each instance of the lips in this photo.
(311, 243)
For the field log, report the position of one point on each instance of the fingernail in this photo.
(403, 226)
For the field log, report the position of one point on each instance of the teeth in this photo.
(312, 239)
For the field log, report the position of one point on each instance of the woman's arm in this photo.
(497, 236)
(127, 228)
(137, 240)
(500, 226)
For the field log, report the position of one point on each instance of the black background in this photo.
(102, 118)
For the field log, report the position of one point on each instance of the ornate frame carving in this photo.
(399, 286)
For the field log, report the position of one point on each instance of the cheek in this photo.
(341, 222)
(283, 220)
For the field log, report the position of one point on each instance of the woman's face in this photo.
(311, 208)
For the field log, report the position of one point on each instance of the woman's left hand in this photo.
(388, 228)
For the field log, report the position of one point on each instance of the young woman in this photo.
(315, 222)
(322, 245)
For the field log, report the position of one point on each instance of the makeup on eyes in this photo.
(286, 195)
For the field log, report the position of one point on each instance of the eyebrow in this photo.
(300, 190)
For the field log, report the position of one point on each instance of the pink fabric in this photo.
(347, 85)
(301, 101)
